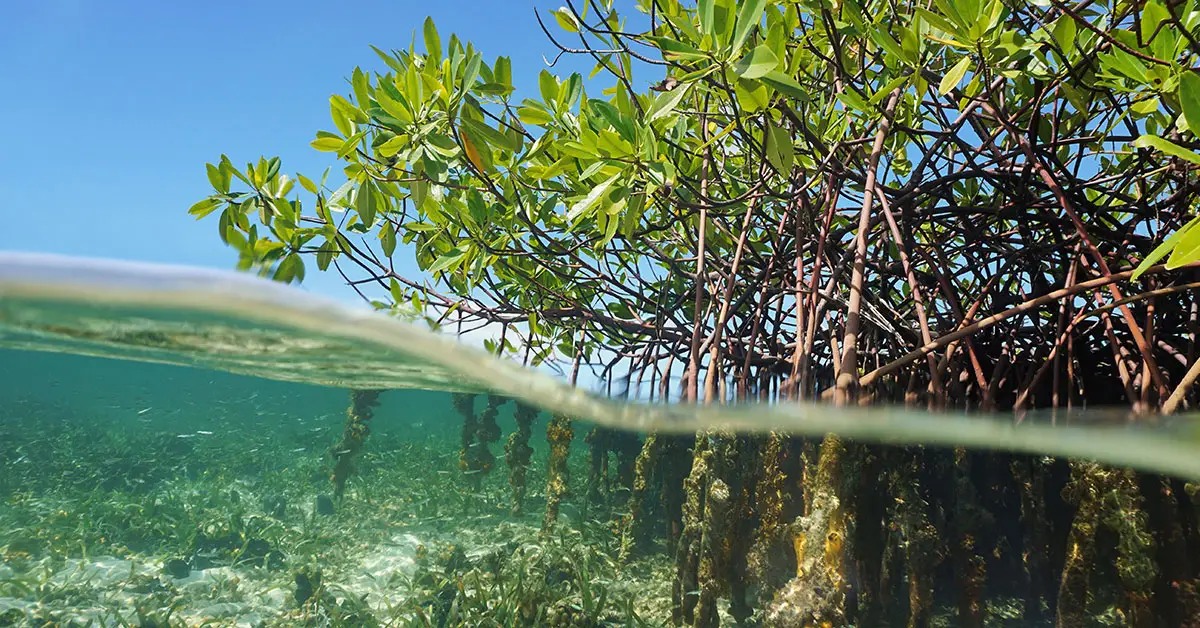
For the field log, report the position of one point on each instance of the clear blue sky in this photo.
(111, 109)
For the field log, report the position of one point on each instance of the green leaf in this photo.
(752, 96)
(472, 71)
(675, 50)
(1186, 249)
(536, 117)
(390, 60)
(704, 10)
(1064, 32)
(364, 203)
(589, 201)
(1145, 106)
(784, 84)
(1153, 14)
(204, 207)
(885, 41)
(449, 258)
(1189, 100)
(502, 73)
(433, 43)
(307, 183)
(749, 15)
(1168, 147)
(387, 239)
(548, 85)
(218, 177)
(394, 145)
(292, 267)
(853, 101)
(565, 20)
(666, 102)
(758, 63)
(937, 21)
(396, 290)
(779, 149)
(490, 135)
(1161, 250)
(327, 144)
(956, 73)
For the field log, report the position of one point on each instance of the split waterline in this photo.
(242, 324)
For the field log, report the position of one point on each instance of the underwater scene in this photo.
(209, 450)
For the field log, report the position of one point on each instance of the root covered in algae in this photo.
(816, 596)
(636, 530)
(475, 459)
(518, 453)
(559, 434)
(354, 436)
(684, 589)
(968, 521)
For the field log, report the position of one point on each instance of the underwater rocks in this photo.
(306, 584)
(275, 506)
(232, 549)
(177, 568)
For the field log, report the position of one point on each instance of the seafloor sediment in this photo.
(233, 520)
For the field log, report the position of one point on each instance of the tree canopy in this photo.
(939, 198)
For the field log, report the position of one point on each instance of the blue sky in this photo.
(113, 108)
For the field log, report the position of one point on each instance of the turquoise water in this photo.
(167, 439)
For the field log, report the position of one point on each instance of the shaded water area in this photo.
(187, 448)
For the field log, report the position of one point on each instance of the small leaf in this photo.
(676, 50)
(779, 149)
(1064, 32)
(1189, 100)
(364, 203)
(853, 100)
(1153, 14)
(749, 15)
(449, 258)
(784, 84)
(219, 178)
(387, 239)
(752, 96)
(433, 43)
(536, 117)
(204, 207)
(1168, 147)
(307, 183)
(704, 11)
(566, 20)
(758, 63)
(956, 73)
(327, 144)
(548, 85)
(1161, 250)
(473, 154)
(292, 267)
(589, 201)
(666, 102)
(1186, 249)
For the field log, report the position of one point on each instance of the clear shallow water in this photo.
(239, 324)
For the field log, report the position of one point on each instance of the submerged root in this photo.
(970, 568)
(518, 453)
(635, 524)
(684, 590)
(559, 434)
(354, 436)
(817, 595)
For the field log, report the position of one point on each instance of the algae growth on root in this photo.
(354, 436)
